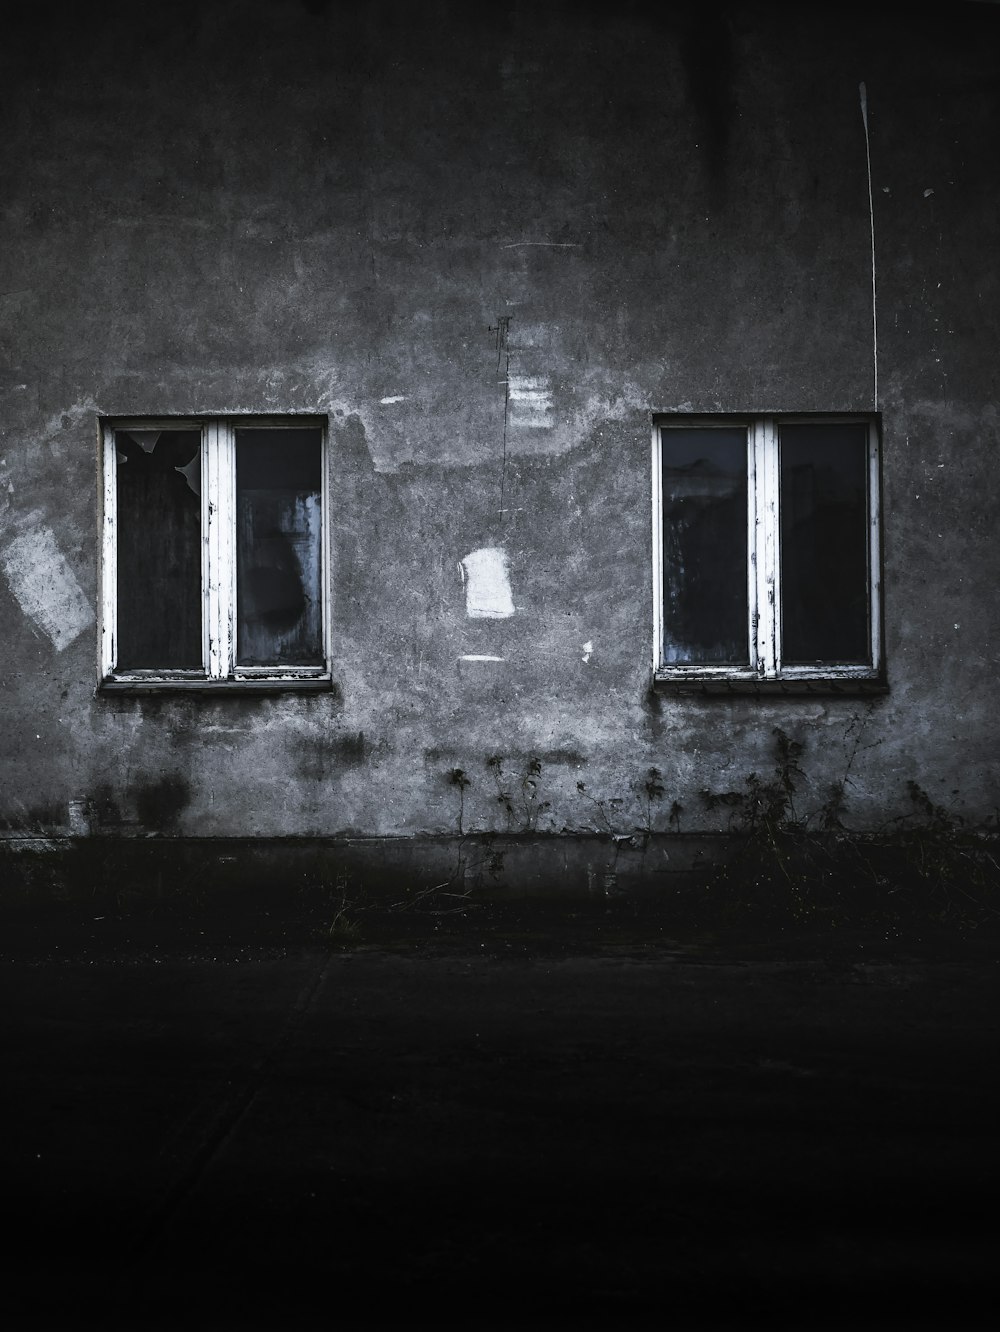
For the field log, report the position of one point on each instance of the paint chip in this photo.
(386, 402)
(487, 586)
(588, 651)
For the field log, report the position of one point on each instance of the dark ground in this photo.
(529, 1117)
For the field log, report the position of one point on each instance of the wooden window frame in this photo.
(218, 561)
(765, 666)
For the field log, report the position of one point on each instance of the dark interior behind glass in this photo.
(705, 546)
(159, 550)
(824, 544)
(279, 563)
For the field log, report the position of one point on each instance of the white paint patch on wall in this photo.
(588, 650)
(45, 587)
(387, 402)
(529, 399)
(487, 586)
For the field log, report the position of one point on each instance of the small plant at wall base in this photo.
(765, 866)
(457, 778)
(531, 808)
(453, 895)
(654, 791)
(928, 866)
(950, 865)
(599, 806)
(495, 765)
(343, 929)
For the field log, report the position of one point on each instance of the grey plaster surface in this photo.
(487, 244)
(522, 1119)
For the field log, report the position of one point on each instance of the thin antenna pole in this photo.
(871, 214)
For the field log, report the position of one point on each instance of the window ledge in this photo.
(300, 685)
(791, 688)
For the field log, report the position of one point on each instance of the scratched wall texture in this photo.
(489, 242)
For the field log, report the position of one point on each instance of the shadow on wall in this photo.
(160, 804)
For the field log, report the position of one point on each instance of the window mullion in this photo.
(657, 548)
(753, 557)
(765, 544)
(874, 549)
(218, 563)
(109, 554)
(326, 572)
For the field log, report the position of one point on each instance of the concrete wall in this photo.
(383, 211)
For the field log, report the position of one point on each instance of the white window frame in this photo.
(764, 554)
(218, 558)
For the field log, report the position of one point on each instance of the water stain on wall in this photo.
(160, 804)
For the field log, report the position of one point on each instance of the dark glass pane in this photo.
(279, 564)
(705, 617)
(159, 549)
(824, 544)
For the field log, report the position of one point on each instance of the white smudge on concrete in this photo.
(386, 402)
(529, 399)
(526, 335)
(552, 245)
(45, 587)
(487, 585)
(588, 651)
(482, 656)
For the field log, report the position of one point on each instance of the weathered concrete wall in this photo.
(383, 212)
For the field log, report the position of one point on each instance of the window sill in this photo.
(843, 687)
(296, 685)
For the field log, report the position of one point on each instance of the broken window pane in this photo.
(824, 544)
(705, 546)
(159, 550)
(279, 563)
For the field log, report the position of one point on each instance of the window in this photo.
(214, 554)
(766, 550)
